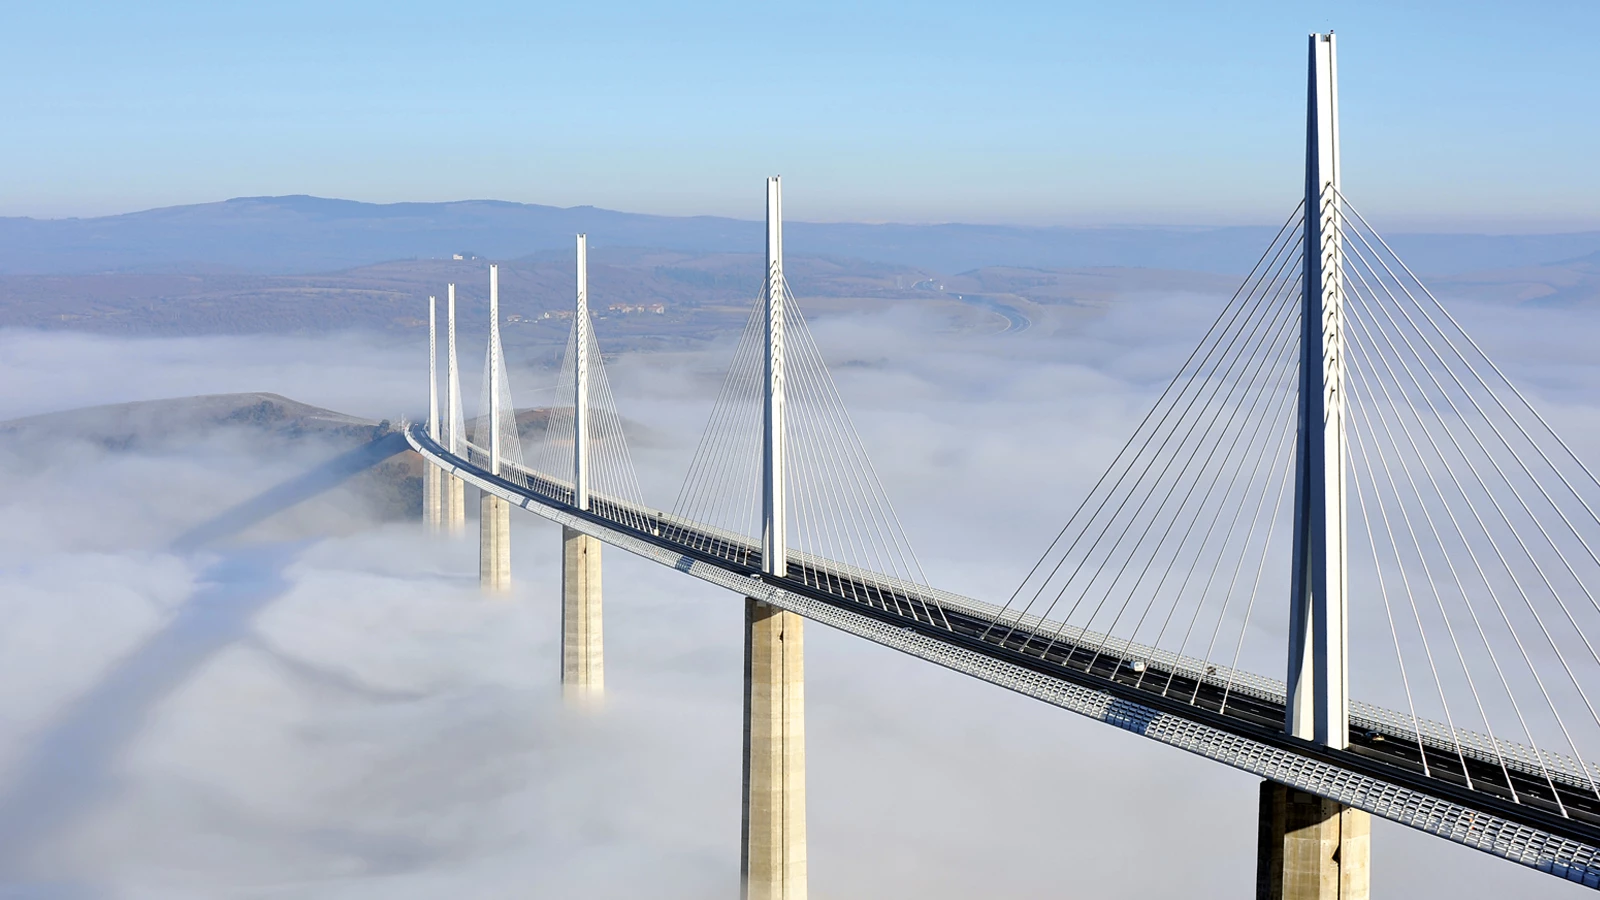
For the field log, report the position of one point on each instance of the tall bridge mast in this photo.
(582, 634)
(580, 381)
(494, 512)
(773, 538)
(494, 369)
(454, 503)
(1318, 678)
(433, 476)
(773, 861)
(1310, 847)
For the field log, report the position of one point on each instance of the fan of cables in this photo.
(1471, 539)
(843, 532)
(612, 482)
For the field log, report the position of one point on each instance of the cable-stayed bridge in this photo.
(1337, 457)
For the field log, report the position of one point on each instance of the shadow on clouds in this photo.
(73, 765)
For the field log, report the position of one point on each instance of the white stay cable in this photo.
(845, 482)
(1362, 383)
(706, 488)
(869, 501)
(1276, 411)
(1206, 428)
(1422, 555)
(1251, 413)
(559, 424)
(1494, 545)
(1535, 519)
(686, 506)
(619, 478)
(1405, 584)
(1388, 608)
(1238, 516)
(856, 547)
(1225, 319)
(1232, 356)
(1363, 356)
(1290, 426)
(1255, 589)
(844, 527)
(1238, 505)
(1485, 357)
(1516, 535)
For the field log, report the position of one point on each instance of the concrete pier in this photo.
(774, 858)
(494, 544)
(583, 678)
(453, 503)
(433, 497)
(1311, 848)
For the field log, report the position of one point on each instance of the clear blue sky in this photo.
(1460, 115)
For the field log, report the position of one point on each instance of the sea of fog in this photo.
(330, 709)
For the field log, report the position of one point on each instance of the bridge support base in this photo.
(1311, 848)
(433, 497)
(494, 544)
(454, 504)
(583, 680)
(774, 853)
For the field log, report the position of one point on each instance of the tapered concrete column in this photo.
(1311, 848)
(454, 503)
(433, 496)
(774, 860)
(583, 670)
(494, 544)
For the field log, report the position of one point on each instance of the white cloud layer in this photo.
(335, 712)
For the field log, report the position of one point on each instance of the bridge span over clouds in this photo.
(1337, 447)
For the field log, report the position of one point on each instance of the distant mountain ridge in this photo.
(303, 234)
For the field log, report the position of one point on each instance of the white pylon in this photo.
(773, 857)
(453, 379)
(494, 369)
(580, 399)
(774, 542)
(433, 369)
(433, 477)
(1318, 705)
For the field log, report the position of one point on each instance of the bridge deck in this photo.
(1497, 798)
